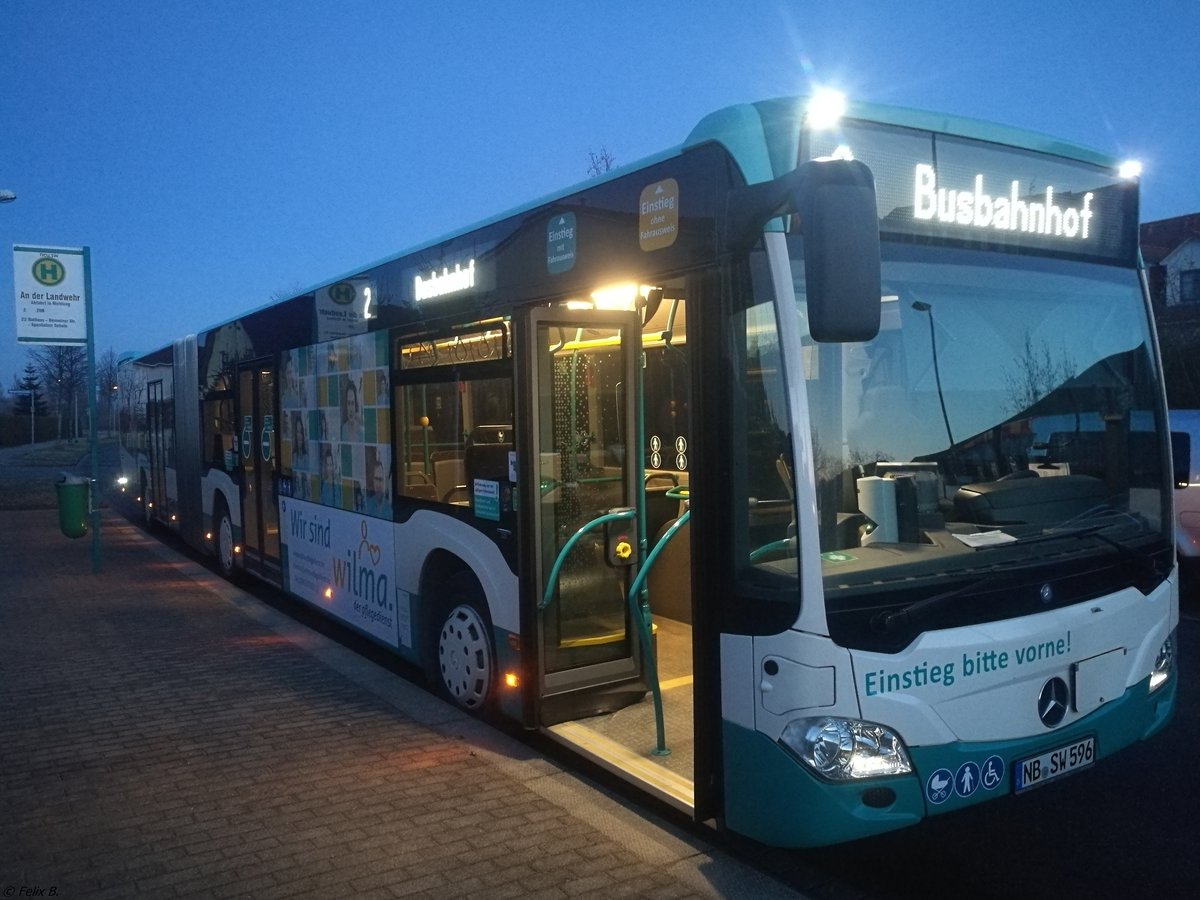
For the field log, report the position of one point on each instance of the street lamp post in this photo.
(7, 196)
(927, 308)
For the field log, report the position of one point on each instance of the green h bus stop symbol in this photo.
(49, 272)
(342, 293)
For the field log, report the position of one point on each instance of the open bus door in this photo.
(583, 449)
(258, 446)
(598, 667)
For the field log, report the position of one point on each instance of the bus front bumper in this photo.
(772, 798)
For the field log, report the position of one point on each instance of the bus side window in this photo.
(444, 423)
(218, 429)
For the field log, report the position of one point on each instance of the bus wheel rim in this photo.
(225, 544)
(465, 657)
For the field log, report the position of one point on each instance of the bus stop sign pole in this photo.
(53, 285)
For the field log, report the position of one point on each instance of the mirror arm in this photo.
(750, 207)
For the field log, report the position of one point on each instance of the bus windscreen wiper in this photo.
(889, 622)
(1141, 557)
(914, 612)
(1057, 533)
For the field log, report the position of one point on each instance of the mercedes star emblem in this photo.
(1052, 702)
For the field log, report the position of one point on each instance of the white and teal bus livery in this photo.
(814, 480)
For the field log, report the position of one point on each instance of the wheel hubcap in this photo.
(225, 544)
(464, 657)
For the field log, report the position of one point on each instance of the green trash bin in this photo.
(73, 511)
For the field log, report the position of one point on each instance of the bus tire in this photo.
(223, 542)
(464, 661)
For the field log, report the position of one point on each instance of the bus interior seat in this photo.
(669, 583)
(487, 450)
(458, 495)
(448, 474)
(660, 509)
(421, 491)
(785, 475)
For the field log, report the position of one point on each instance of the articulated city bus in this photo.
(813, 477)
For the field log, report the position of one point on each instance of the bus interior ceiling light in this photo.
(622, 296)
(825, 108)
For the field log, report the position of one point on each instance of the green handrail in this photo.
(552, 581)
(783, 545)
(641, 613)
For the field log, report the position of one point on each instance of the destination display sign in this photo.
(935, 185)
(457, 270)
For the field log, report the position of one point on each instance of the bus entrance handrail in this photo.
(641, 612)
(552, 581)
(638, 613)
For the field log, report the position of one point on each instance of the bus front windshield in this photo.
(996, 450)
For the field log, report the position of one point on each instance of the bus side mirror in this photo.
(1181, 457)
(834, 200)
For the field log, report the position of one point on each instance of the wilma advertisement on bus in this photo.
(343, 562)
(336, 425)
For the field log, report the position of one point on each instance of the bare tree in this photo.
(106, 387)
(286, 293)
(63, 372)
(1037, 373)
(599, 163)
(131, 404)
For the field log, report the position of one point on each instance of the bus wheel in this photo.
(465, 662)
(224, 542)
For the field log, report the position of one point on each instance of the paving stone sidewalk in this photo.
(165, 734)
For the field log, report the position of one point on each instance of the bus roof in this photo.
(762, 139)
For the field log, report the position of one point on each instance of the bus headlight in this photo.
(1164, 663)
(846, 749)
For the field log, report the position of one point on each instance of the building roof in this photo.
(1160, 238)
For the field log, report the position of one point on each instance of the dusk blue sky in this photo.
(214, 153)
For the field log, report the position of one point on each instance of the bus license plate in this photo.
(1037, 770)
